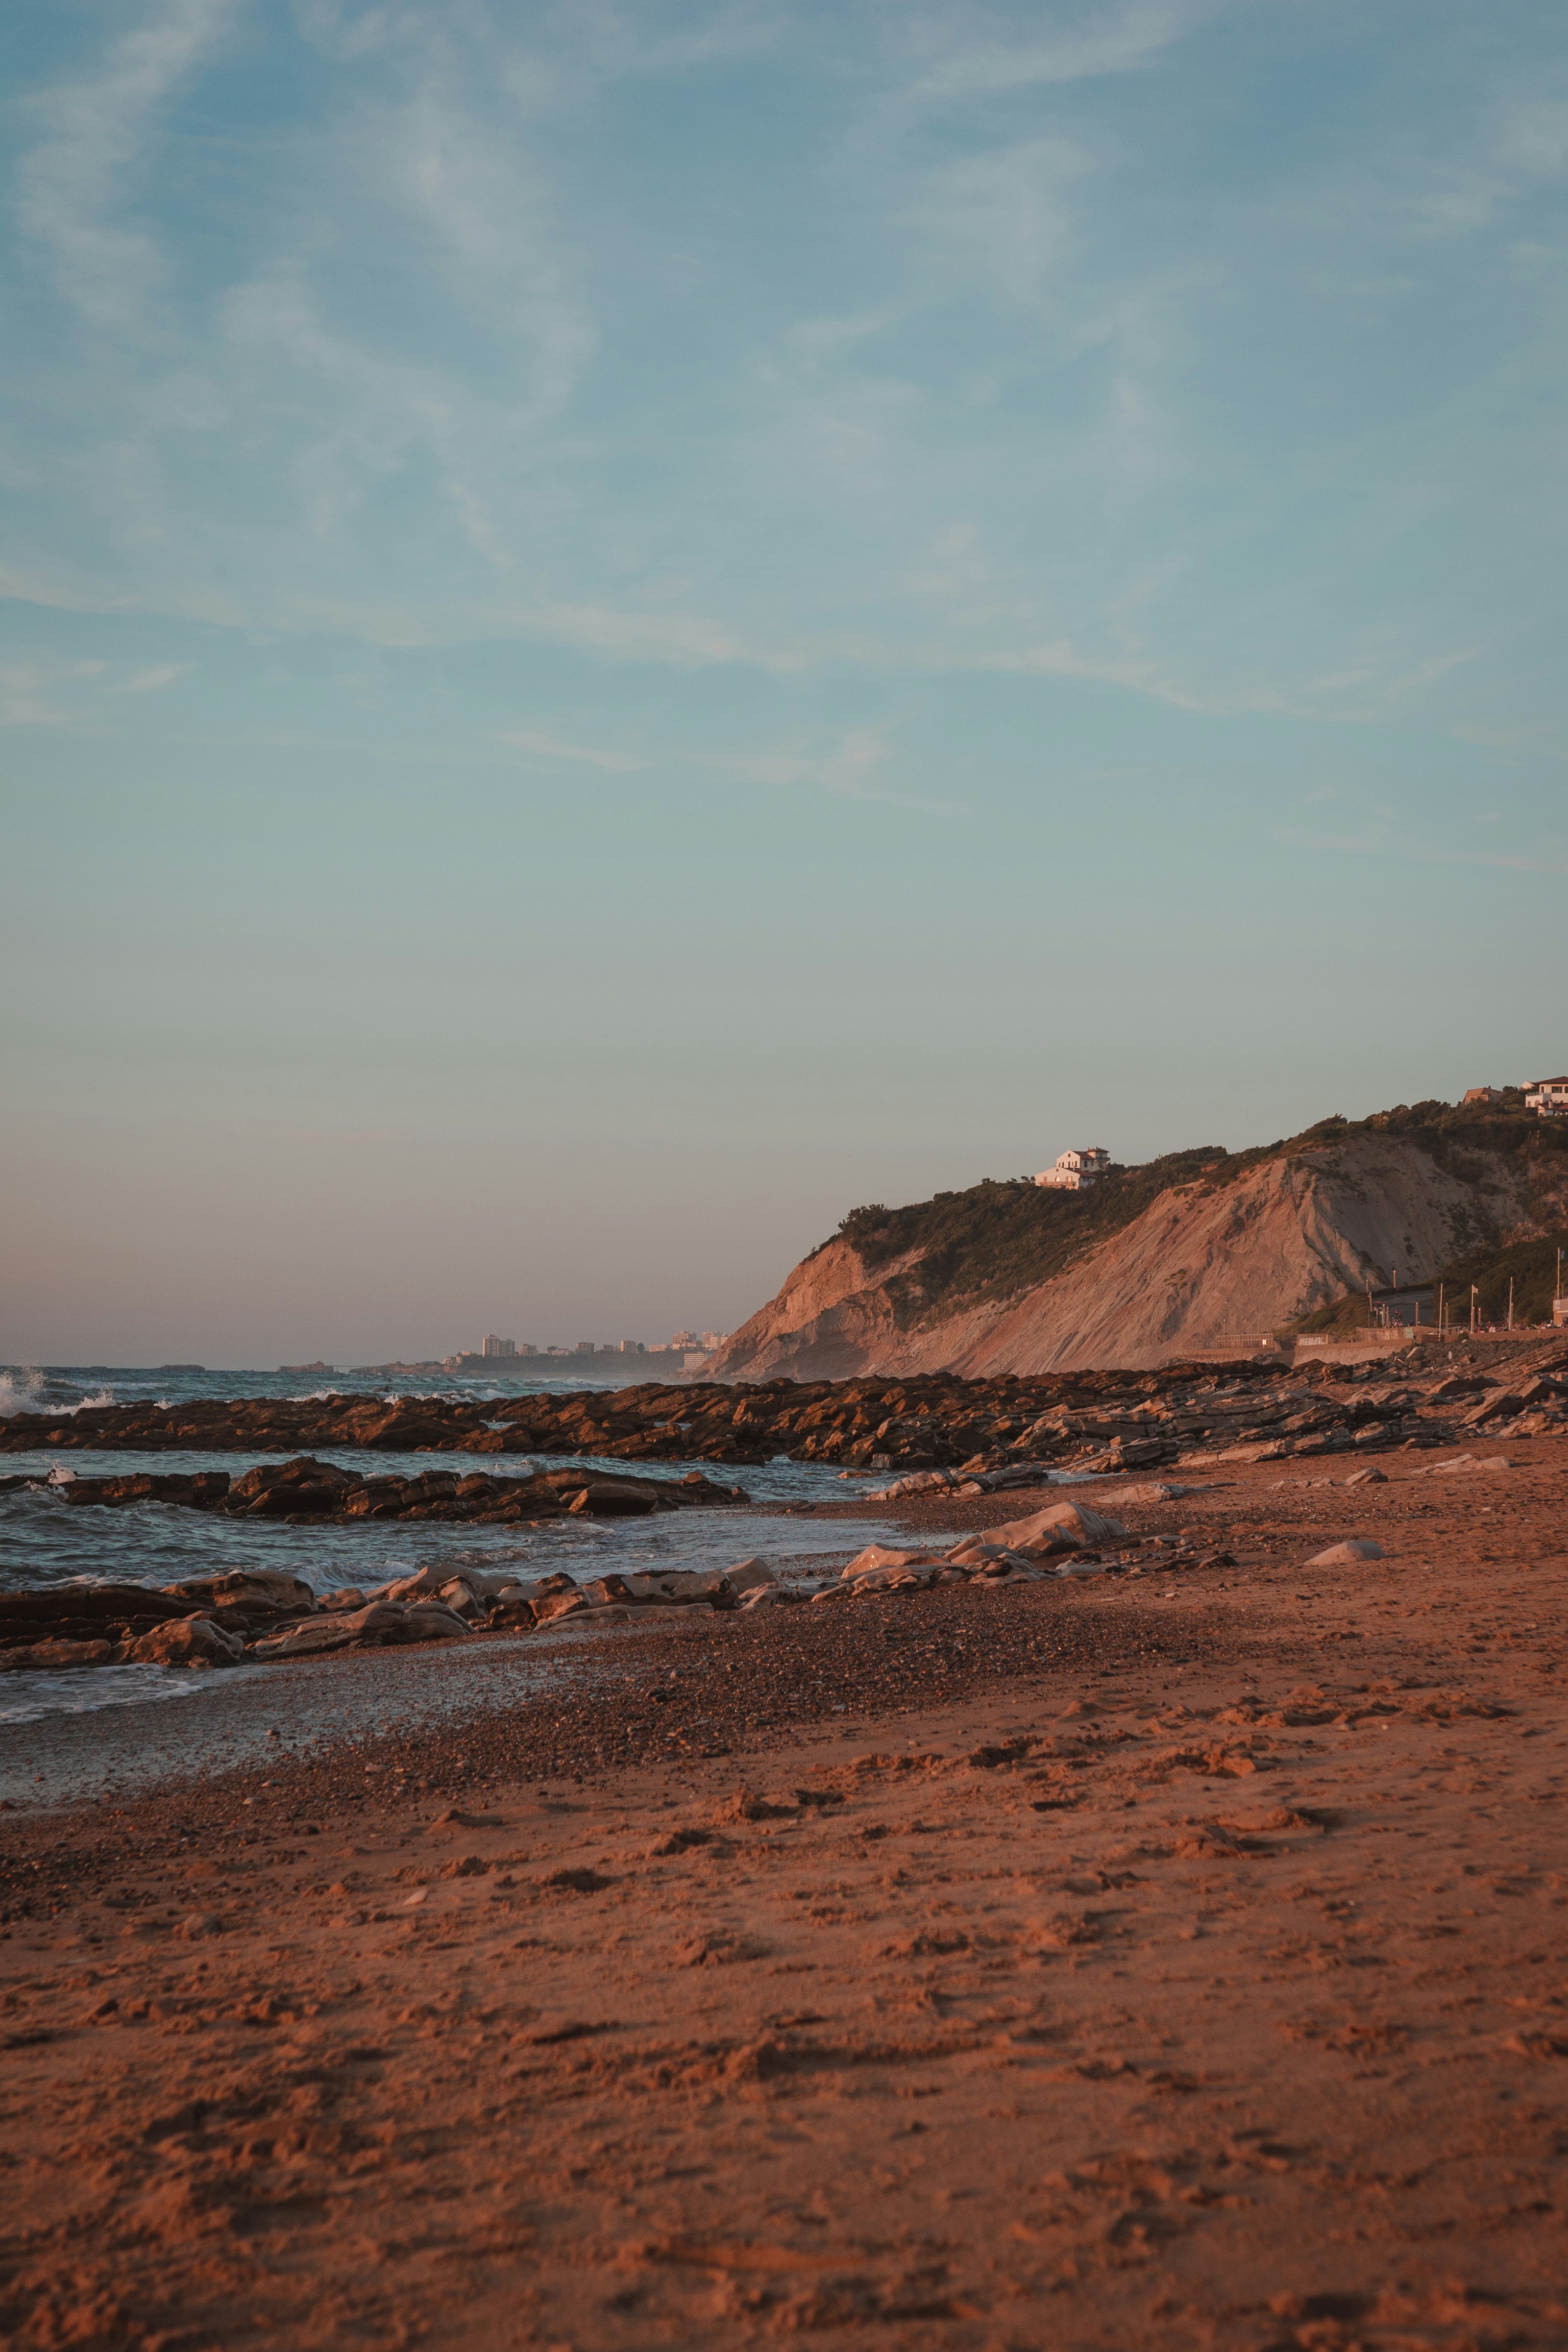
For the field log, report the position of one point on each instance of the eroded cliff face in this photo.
(1202, 1265)
(834, 1318)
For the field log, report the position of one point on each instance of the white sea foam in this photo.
(23, 1392)
(19, 1392)
(82, 1690)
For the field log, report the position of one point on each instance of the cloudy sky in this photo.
(626, 625)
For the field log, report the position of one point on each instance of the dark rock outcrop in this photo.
(306, 1489)
(1132, 1419)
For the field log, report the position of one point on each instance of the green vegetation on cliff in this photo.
(997, 1239)
(1530, 1266)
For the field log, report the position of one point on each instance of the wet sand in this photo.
(1057, 1966)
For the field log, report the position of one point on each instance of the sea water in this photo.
(46, 1539)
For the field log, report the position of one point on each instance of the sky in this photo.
(626, 626)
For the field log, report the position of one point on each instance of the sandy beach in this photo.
(1088, 1964)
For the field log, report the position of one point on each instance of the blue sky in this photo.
(626, 626)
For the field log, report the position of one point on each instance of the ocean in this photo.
(45, 1541)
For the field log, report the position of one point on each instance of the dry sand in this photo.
(1124, 1970)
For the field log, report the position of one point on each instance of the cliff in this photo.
(1187, 1253)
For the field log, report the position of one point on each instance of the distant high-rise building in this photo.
(494, 1347)
(584, 1347)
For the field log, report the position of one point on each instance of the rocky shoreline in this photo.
(308, 1491)
(1085, 1420)
(269, 1616)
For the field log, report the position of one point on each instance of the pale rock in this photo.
(60, 1652)
(430, 1621)
(460, 1598)
(880, 1555)
(673, 1588)
(333, 1630)
(426, 1583)
(919, 1481)
(1345, 1555)
(550, 1606)
(187, 1642)
(896, 1580)
(1061, 1528)
(751, 1575)
(1160, 1491)
(274, 1588)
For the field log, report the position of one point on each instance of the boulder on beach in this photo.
(911, 1576)
(599, 1500)
(187, 1642)
(380, 1622)
(1346, 1555)
(751, 1575)
(675, 1588)
(430, 1621)
(1064, 1527)
(878, 1557)
(247, 1601)
(552, 1605)
(45, 1656)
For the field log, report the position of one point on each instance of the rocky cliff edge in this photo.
(1227, 1252)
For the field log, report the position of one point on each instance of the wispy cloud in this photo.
(1098, 42)
(36, 694)
(682, 640)
(853, 766)
(76, 184)
(1004, 217)
(1380, 844)
(1062, 659)
(536, 745)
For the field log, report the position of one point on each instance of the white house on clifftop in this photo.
(1075, 1170)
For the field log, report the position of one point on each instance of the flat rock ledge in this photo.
(261, 1615)
(306, 1489)
(1107, 1419)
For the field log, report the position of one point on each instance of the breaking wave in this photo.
(27, 1392)
(23, 1398)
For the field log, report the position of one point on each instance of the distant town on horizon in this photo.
(686, 1348)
